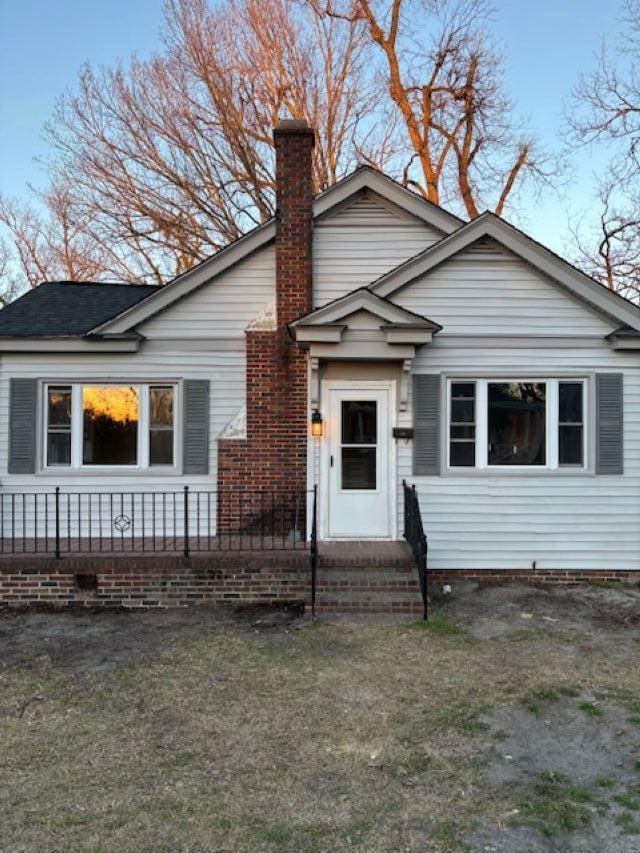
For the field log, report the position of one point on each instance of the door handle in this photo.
(331, 461)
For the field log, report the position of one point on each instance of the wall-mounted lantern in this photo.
(316, 424)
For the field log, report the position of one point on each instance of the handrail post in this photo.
(314, 551)
(57, 502)
(186, 521)
(415, 536)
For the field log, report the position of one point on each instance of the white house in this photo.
(462, 357)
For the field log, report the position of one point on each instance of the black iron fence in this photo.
(415, 536)
(187, 520)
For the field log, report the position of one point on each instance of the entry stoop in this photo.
(367, 577)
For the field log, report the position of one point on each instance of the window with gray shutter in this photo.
(22, 426)
(426, 424)
(195, 434)
(609, 423)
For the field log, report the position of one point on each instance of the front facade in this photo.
(361, 338)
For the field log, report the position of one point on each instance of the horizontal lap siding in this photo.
(487, 290)
(359, 244)
(509, 521)
(223, 307)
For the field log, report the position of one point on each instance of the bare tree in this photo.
(156, 165)
(605, 108)
(609, 250)
(444, 77)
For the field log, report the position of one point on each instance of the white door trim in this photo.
(347, 385)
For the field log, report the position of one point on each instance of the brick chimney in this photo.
(273, 457)
(294, 141)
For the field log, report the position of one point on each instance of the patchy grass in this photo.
(630, 799)
(439, 623)
(590, 709)
(555, 805)
(225, 735)
(628, 824)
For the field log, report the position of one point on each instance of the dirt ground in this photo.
(509, 722)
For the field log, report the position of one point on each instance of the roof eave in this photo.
(70, 343)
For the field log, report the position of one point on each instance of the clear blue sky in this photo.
(43, 44)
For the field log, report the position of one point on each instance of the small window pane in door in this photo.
(358, 467)
(359, 421)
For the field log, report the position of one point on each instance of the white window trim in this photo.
(77, 467)
(552, 465)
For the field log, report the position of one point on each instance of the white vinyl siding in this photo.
(223, 307)
(564, 519)
(487, 290)
(361, 242)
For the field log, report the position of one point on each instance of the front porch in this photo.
(350, 576)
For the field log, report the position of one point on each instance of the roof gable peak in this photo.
(554, 267)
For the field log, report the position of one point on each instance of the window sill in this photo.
(99, 471)
(518, 472)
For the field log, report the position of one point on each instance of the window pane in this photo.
(59, 425)
(59, 448)
(570, 445)
(359, 421)
(462, 411)
(161, 447)
(358, 467)
(59, 405)
(463, 389)
(161, 407)
(570, 402)
(110, 415)
(463, 431)
(462, 454)
(517, 423)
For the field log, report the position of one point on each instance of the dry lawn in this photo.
(511, 723)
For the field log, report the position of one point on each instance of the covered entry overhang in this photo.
(362, 327)
(361, 348)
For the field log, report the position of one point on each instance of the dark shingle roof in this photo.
(64, 308)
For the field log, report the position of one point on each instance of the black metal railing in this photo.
(314, 549)
(415, 536)
(187, 520)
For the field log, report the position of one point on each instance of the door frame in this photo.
(347, 385)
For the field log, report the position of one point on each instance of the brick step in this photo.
(365, 555)
(365, 601)
(341, 580)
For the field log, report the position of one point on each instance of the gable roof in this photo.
(363, 299)
(67, 309)
(362, 179)
(577, 283)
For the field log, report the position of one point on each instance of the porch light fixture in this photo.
(316, 424)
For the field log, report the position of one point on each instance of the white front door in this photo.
(358, 464)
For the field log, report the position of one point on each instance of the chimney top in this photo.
(293, 126)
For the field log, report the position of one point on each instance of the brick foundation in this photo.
(155, 580)
(169, 580)
(535, 577)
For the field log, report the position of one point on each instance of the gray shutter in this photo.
(426, 424)
(22, 426)
(609, 422)
(195, 434)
